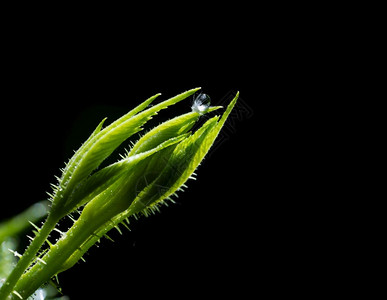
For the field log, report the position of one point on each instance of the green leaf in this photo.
(7, 258)
(19, 223)
(164, 131)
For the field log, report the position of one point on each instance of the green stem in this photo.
(97, 235)
(27, 258)
(40, 273)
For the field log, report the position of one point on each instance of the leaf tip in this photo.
(213, 108)
(195, 89)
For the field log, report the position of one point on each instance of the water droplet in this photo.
(201, 103)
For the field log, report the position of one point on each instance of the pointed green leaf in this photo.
(81, 155)
(167, 130)
(164, 131)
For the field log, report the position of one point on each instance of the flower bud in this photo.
(112, 190)
(152, 181)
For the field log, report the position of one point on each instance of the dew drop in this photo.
(201, 103)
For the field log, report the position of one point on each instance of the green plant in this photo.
(156, 167)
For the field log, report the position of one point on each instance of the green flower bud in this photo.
(112, 190)
(157, 178)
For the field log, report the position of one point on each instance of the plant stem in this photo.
(27, 258)
(54, 259)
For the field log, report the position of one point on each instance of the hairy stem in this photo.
(27, 258)
(52, 263)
